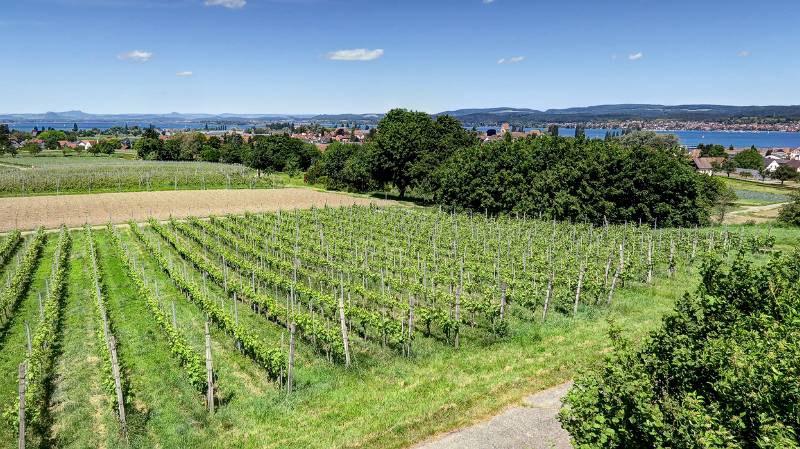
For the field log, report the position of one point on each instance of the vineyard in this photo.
(57, 175)
(272, 330)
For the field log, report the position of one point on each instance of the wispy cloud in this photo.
(488, 2)
(136, 55)
(744, 53)
(635, 56)
(356, 54)
(230, 4)
(512, 60)
(184, 74)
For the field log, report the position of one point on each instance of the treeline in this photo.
(639, 178)
(270, 153)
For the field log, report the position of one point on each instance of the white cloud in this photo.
(636, 56)
(356, 54)
(184, 74)
(488, 2)
(744, 53)
(230, 4)
(512, 60)
(136, 55)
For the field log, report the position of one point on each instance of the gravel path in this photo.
(531, 425)
(74, 210)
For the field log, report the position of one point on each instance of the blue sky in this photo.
(336, 56)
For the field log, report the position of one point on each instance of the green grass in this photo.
(383, 401)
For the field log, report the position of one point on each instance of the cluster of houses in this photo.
(773, 158)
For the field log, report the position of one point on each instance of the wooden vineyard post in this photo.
(549, 294)
(236, 317)
(581, 274)
(614, 280)
(671, 257)
(209, 372)
(290, 368)
(458, 302)
(118, 385)
(650, 261)
(410, 322)
(22, 386)
(502, 301)
(28, 337)
(343, 323)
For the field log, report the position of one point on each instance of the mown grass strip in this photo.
(190, 360)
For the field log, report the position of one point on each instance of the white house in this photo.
(85, 144)
(771, 165)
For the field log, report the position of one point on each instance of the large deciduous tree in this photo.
(403, 139)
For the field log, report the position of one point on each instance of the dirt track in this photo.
(74, 210)
(530, 425)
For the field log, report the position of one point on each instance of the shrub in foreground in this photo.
(790, 213)
(721, 372)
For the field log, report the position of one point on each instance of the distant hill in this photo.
(625, 112)
(473, 116)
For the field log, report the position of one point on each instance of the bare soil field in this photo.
(27, 213)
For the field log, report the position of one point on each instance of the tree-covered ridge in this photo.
(721, 372)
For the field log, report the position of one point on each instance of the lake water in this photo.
(739, 139)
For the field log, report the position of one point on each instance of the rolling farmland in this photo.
(357, 326)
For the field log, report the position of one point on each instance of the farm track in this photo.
(756, 214)
(533, 424)
(75, 210)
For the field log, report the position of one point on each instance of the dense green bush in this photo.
(577, 179)
(790, 213)
(721, 372)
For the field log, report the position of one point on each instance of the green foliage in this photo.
(51, 139)
(790, 213)
(649, 140)
(44, 345)
(345, 167)
(577, 179)
(148, 148)
(721, 372)
(711, 150)
(281, 153)
(15, 290)
(750, 159)
(410, 145)
(785, 173)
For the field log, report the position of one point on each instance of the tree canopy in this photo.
(577, 179)
(649, 139)
(750, 159)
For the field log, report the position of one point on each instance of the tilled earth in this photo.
(27, 213)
